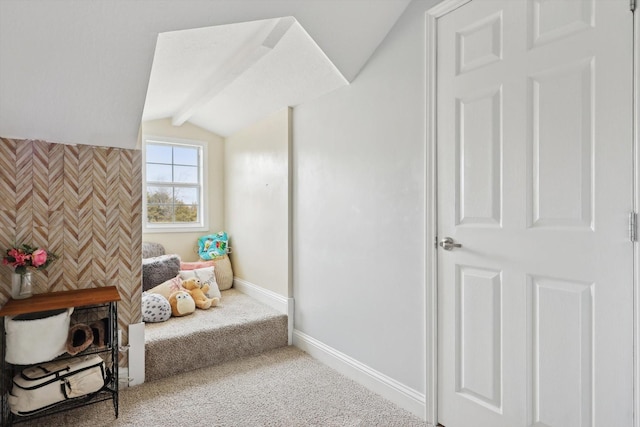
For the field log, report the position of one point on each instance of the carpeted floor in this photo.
(282, 387)
(240, 327)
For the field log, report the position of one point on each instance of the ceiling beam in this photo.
(256, 48)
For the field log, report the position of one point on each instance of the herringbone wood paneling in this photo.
(7, 227)
(71, 179)
(56, 215)
(24, 191)
(7, 179)
(84, 204)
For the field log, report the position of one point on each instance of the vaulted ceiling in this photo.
(224, 78)
(77, 71)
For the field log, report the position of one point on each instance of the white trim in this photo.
(136, 349)
(203, 225)
(272, 299)
(123, 377)
(431, 254)
(636, 204)
(431, 212)
(276, 301)
(290, 319)
(444, 7)
(398, 393)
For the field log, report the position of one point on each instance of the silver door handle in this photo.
(448, 244)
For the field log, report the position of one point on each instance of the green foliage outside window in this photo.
(163, 208)
(173, 183)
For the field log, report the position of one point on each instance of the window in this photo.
(174, 185)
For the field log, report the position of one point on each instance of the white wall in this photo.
(358, 209)
(257, 189)
(184, 244)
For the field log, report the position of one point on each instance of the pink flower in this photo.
(19, 256)
(22, 257)
(38, 257)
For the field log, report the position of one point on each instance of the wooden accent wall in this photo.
(83, 203)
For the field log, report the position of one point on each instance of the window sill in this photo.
(161, 230)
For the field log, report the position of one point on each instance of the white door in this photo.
(534, 143)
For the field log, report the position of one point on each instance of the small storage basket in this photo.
(36, 337)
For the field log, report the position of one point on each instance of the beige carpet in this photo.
(240, 327)
(282, 387)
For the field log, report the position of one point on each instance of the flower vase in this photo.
(21, 285)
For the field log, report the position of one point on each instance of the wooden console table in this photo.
(88, 304)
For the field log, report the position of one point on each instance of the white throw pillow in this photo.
(155, 308)
(36, 337)
(167, 288)
(206, 276)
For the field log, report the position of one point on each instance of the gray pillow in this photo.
(158, 270)
(151, 249)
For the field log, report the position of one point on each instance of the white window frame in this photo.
(202, 224)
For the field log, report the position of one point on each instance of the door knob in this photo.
(448, 244)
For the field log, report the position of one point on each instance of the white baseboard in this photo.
(136, 369)
(272, 299)
(123, 377)
(290, 325)
(276, 301)
(403, 396)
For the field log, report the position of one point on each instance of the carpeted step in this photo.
(240, 327)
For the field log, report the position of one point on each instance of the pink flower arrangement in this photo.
(25, 256)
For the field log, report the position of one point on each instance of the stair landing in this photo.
(239, 327)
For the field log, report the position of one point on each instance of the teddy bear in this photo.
(198, 293)
(181, 303)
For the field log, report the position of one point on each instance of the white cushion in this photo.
(167, 288)
(206, 276)
(36, 337)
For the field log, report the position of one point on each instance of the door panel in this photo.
(561, 154)
(562, 318)
(553, 20)
(478, 316)
(534, 152)
(478, 158)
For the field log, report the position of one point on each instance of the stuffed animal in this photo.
(181, 303)
(155, 308)
(198, 293)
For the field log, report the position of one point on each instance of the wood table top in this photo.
(62, 299)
